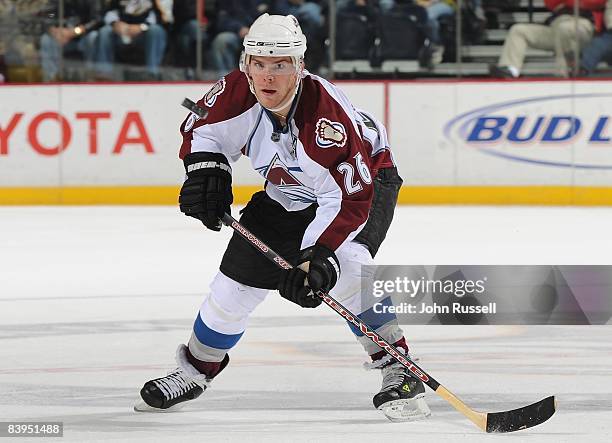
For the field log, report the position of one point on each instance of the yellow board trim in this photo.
(412, 195)
(506, 195)
(106, 195)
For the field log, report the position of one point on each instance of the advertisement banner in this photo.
(109, 135)
(499, 134)
(468, 142)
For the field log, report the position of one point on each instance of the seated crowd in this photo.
(562, 33)
(106, 39)
(106, 35)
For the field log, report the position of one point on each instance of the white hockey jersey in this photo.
(327, 154)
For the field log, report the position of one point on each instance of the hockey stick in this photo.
(193, 107)
(505, 421)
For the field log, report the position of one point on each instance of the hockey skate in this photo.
(402, 396)
(169, 393)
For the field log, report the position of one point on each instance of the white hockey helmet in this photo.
(275, 36)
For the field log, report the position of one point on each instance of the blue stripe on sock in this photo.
(214, 339)
(373, 319)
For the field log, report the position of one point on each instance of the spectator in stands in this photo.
(406, 6)
(308, 14)
(186, 31)
(385, 5)
(5, 9)
(234, 17)
(132, 22)
(78, 34)
(600, 47)
(368, 8)
(382, 5)
(356, 26)
(559, 33)
(21, 25)
(436, 9)
(410, 11)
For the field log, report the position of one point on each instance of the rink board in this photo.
(539, 142)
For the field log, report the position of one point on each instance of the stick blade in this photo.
(521, 418)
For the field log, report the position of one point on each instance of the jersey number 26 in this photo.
(348, 170)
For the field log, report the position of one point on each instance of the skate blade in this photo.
(411, 409)
(141, 406)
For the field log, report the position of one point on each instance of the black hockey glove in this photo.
(299, 286)
(207, 192)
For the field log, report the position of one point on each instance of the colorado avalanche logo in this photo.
(329, 133)
(280, 176)
(211, 96)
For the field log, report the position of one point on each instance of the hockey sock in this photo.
(208, 368)
(401, 343)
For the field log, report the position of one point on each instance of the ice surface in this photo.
(94, 300)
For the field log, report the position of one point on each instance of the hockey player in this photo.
(331, 189)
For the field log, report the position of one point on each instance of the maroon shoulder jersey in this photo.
(327, 154)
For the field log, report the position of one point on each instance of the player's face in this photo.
(273, 79)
